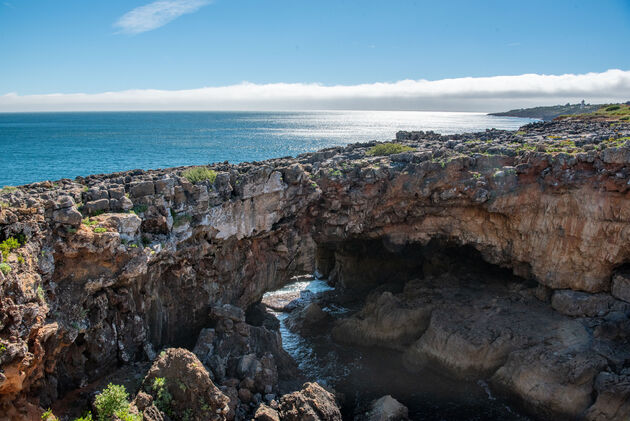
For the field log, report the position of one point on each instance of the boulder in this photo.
(311, 403)
(384, 321)
(387, 408)
(309, 317)
(265, 413)
(95, 206)
(613, 398)
(67, 216)
(552, 382)
(188, 383)
(142, 188)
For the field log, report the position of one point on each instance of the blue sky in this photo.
(81, 46)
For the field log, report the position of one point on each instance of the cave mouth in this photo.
(349, 275)
(362, 265)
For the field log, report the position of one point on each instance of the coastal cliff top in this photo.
(567, 139)
(602, 112)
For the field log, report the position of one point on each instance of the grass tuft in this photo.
(198, 174)
(385, 149)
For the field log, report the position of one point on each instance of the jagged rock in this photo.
(111, 290)
(228, 311)
(189, 384)
(310, 317)
(143, 188)
(68, 216)
(312, 403)
(95, 206)
(265, 413)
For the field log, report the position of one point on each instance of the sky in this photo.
(286, 54)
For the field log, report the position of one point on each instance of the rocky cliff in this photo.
(105, 270)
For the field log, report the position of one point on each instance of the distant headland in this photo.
(597, 111)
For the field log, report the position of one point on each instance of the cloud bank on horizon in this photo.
(154, 15)
(494, 93)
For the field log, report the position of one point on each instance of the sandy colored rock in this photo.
(387, 408)
(311, 403)
(551, 382)
(384, 321)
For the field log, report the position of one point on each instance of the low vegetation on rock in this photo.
(385, 149)
(8, 245)
(613, 112)
(112, 403)
(198, 174)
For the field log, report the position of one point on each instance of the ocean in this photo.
(51, 146)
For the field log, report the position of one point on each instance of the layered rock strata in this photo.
(110, 268)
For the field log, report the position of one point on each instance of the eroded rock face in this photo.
(81, 298)
(187, 383)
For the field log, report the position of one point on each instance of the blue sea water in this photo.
(50, 146)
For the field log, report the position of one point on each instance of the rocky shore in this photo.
(496, 255)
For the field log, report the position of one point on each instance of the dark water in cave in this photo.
(364, 374)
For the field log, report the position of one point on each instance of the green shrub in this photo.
(385, 149)
(8, 246)
(5, 268)
(100, 229)
(163, 398)
(89, 222)
(613, 108)
(41, 294)
(48, 415)
(112, 402)
(197, 174)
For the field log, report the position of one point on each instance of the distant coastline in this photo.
(550, 112)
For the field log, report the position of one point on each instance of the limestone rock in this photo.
(387, 408)
(551, 381)
(265, 413)
(311, 403)
(384, 321)
(68, 216)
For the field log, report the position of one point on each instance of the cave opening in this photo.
(365, 264)
(375, 285)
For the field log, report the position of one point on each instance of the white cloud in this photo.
(154, 15)
(462, 94)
